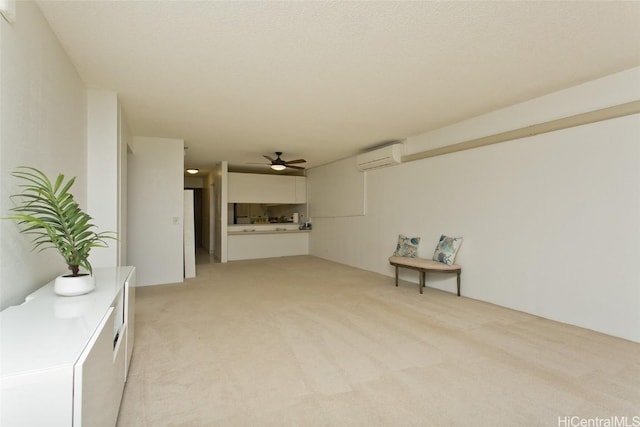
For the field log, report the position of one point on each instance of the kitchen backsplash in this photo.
(253, 213)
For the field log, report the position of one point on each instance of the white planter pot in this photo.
(70, 286)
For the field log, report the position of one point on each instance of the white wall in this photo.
(550, 223)
(103, 171)
(616, 89)
(220, 174)
(155, 210)
(324, 201)
(42, 124)
(123, 153)
(194, 182)
(208, 213)
(189, 237)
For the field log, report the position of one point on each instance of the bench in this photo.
(423, 265)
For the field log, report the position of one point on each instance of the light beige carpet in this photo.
(301, 341)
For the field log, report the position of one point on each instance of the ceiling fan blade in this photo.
(295, 167)
(256, 163)
(269, 158)
(296, 161)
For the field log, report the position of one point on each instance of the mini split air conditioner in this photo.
(386, 156)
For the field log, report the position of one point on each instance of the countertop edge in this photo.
(250, 233)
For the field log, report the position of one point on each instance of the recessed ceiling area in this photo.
(326, 80)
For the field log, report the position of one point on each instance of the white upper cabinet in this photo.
(301, 189)
(258, 188)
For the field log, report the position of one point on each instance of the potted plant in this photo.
(48, 211)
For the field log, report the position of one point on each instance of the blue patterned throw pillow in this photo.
(407, 246)
(447, 249)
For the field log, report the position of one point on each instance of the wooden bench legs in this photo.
(421, 284)
(396, 266)
(422, 275)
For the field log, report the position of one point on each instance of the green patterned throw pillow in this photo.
(447, 249)
(407, 246)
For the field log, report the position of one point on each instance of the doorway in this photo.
(202, 225)
(197, 217)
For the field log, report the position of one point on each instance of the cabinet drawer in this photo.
(99, 377)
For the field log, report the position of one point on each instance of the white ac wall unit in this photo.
(386, 156)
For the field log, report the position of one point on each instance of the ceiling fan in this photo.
(278, 164)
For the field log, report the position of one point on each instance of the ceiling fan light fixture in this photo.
(278, 167)
(193, 171)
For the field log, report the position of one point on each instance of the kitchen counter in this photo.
(251, 231)
(253, 241)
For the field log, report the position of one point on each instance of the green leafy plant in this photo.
(48, 212)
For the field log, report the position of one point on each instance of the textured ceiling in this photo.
(324, 80)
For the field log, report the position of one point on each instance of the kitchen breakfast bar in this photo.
(252, 241)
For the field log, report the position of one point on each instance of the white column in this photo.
(103, 171)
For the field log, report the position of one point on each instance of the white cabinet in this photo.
(252, 245)
(259, 188)
(64, 359)
(250, 210)
(301, 189)
(99, 377)
(130, 308)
